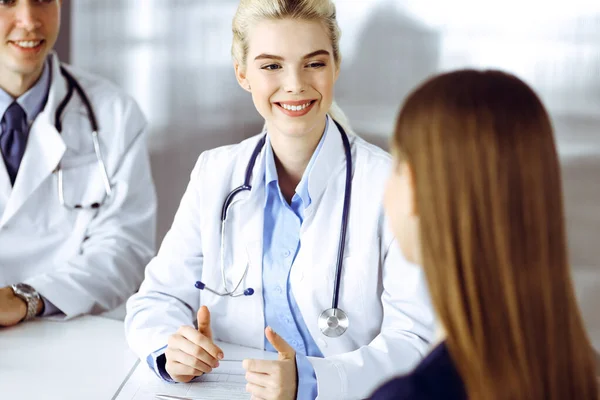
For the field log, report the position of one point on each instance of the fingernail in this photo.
(220, 355)
(216, 364)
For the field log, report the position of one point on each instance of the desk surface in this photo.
(84, 358)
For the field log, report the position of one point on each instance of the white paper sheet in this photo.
(225, 383)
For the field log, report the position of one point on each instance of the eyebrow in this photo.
(264, 56)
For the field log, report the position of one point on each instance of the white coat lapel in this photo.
(252, 212)
(5, 187)
(45, 148)
(331, 157)
(316, 260)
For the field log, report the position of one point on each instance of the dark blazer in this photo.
(435, 377)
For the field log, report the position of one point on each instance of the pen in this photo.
(171, 397)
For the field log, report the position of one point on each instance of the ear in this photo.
(337, 72)
(410, 192)
(240, 75)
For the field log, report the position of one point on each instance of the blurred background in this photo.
(174, 58)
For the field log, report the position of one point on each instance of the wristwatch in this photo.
(30, 296)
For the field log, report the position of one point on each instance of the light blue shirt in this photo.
(281, 243)
(33, 102)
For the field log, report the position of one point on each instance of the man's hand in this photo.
(192, 352)
(273, 380)
(12, 308)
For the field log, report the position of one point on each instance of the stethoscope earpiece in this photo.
(201, 286)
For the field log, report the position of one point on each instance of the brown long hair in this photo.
(489, 197)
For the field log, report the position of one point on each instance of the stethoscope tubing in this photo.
(345, 214)
(247, 178)
(345, 211)
(74, 86)
(332, 322)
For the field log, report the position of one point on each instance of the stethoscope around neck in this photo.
(73, 86)
(333, 322)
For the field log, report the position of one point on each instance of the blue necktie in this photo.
(13, 139)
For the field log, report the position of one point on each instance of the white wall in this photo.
(173, 57)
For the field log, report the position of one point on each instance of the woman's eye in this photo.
(271, 67)
(316, 65)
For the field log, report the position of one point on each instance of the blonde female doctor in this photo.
(279, 242)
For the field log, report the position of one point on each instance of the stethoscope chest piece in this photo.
(333, 322)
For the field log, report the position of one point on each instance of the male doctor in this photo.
(77, 222)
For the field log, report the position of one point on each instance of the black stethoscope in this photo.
(73, 86)
(333, 322)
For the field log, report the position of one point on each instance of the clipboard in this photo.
(225, 383)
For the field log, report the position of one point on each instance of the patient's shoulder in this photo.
(435, 377)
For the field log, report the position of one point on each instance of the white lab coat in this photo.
(391, 321)
(87, 260)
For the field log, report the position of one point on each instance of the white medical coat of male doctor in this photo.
(80, 260)
(385, 297)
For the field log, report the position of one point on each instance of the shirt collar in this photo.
(5, 101)
(302, 189)
(32, 101)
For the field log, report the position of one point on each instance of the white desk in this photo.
(84, 358)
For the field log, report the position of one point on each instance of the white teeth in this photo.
(295, 108)
(28, 43)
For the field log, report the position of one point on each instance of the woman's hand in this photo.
(273, 380)
(192, 352)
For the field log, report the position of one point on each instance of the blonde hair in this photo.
(493, 242)
(249, 12)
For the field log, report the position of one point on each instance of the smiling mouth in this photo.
(298, 107)
(28, 44)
